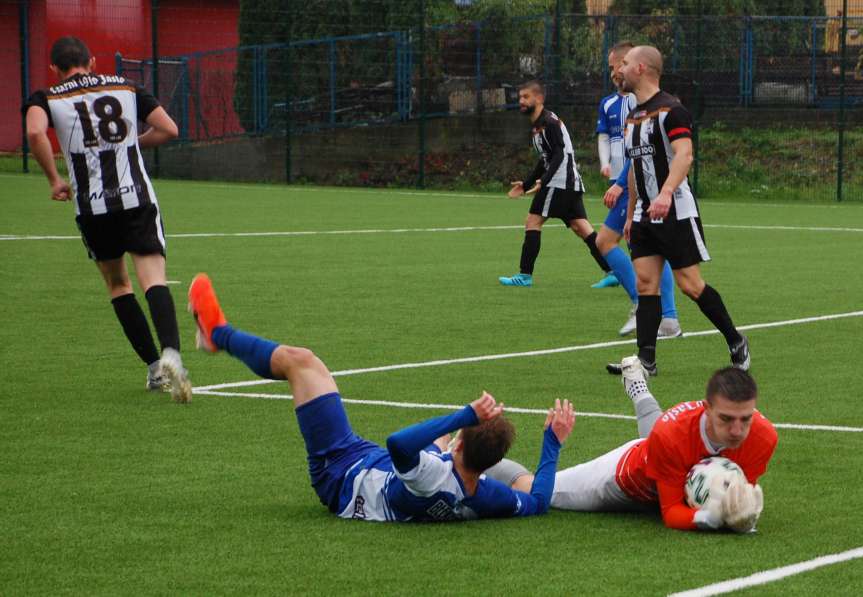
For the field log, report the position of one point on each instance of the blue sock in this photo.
(666, 290)
(621, 265)
(255, 352)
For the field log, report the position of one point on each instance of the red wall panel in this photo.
(110, 26)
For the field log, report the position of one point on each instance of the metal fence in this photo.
(427, 97)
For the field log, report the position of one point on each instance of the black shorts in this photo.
(680, 242)
(110, 236)
(559, 203)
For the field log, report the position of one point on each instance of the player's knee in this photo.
(286, 358)
(691, 288)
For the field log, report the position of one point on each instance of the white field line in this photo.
(509, 409)
(533, 353)
(760, 578)
(420, 405)
(359, 231)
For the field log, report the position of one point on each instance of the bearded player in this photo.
(652, 470)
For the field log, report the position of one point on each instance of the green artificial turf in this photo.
(108, 489)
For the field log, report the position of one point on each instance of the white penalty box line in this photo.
(362, 231)
(218, 389)
(767, 576)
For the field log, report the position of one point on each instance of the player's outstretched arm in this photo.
(406, 445)
(533, 179)
(558, 426)
(40, 145)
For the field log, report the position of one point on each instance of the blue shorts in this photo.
(616, 218)
(332, 446)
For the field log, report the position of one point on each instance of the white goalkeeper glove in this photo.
(710, 516)
(742, 505)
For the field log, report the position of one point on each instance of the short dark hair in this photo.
(732, 383)
(621, 45)
(69, 52)
(534, 84)
(486, 444)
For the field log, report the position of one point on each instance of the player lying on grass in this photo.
(411, 479)
(653, 469)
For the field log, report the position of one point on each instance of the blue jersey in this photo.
(613, 111)
(412, 480)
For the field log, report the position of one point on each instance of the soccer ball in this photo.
(700, 478)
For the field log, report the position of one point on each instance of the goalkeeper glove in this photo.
(742, 505)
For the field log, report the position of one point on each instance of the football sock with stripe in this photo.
(666, 291)
(135, 327)
(647, 318)
(590, 241)
(530, 250)
(164, 316)
(621, 265)
(255, 352)
(714, 309)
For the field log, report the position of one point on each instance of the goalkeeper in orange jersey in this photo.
(651, 471)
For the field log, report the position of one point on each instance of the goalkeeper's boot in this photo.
(172, 368)
(630, 324)
(205, 308)
(669, 327)
(617, 368)
(517, 280)
(156, 380)
(609, 281)
(740, 354)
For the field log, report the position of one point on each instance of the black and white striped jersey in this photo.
(650, 129)
(96, 119)
(556, 167)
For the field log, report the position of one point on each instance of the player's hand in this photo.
(612, 195)
(606, 171)
(659, 206)
(742, 505)
(712, 508)
(627, 230)
(561, 419)
(486, 407)
(60, 190)
(517, 189)
(533, 189)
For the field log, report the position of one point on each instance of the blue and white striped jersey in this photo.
(613, 111)
(411, 480)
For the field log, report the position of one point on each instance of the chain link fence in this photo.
(423, 93)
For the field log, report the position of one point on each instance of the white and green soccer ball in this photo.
(701, 476)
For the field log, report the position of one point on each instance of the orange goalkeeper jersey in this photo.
(656, 468)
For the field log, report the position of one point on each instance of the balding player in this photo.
(663, 222)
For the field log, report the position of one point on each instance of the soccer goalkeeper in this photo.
(411, 479)
(652, 470)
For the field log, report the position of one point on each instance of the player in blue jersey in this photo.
(613, 110)
(412, 479)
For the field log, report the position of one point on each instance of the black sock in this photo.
(590, 241)
(135, 326)
(647, 318)
(164, 316)
(530, 250)
(714, 309)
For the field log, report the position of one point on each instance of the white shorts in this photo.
(592, 486)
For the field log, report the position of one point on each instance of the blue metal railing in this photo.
(403, 62)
